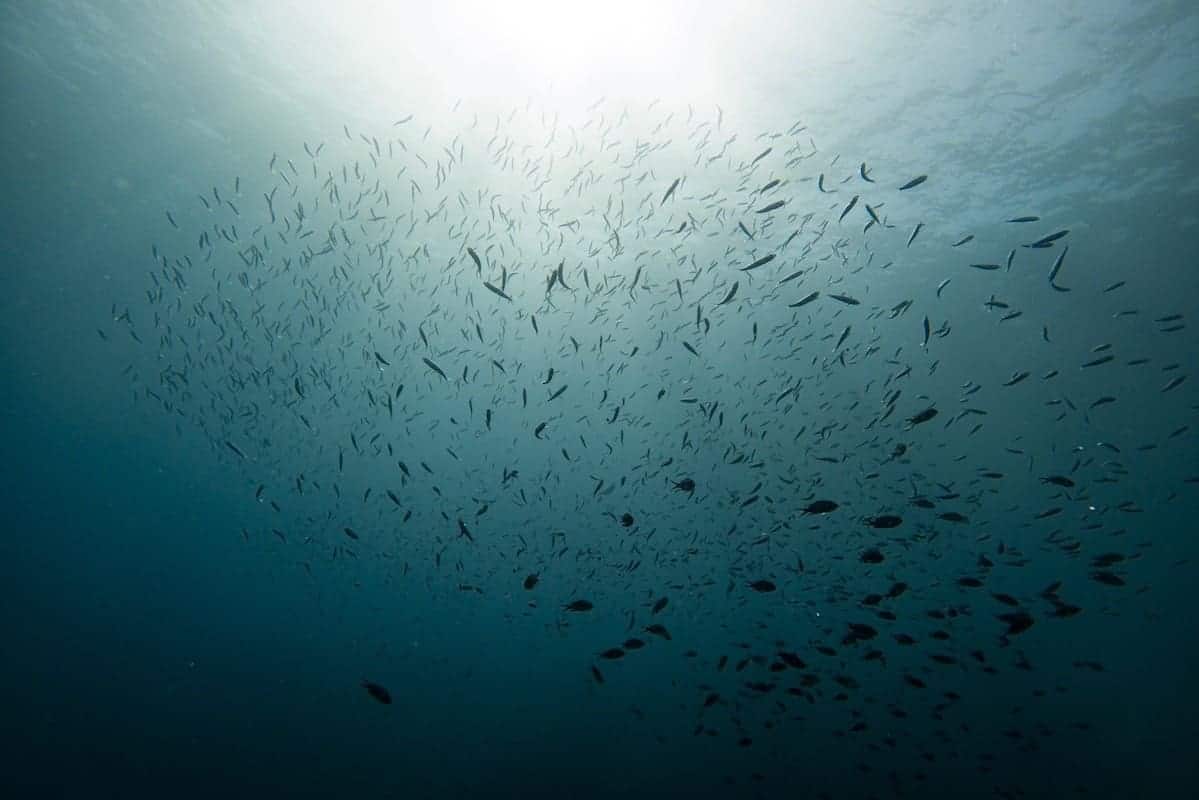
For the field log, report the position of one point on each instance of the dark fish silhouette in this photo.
(377, 691)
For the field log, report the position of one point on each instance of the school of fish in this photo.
(649, 369)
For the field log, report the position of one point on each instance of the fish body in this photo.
(378, 692)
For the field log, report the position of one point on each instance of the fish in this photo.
(1058, 480)
(1057, 265)
(669, 192)
(1107, 578)
(913, 183)
(820, 507)
(761, 262)
(497, 291)
(849, 207)
(658, 630)
(1047, 241)
(729, 297)
(871, 555)
(1017, 621)
(378, 692)
(434, 367)
(1173, 383)
(915, 231)
(775, 206)
(923, 416)
(803, 301)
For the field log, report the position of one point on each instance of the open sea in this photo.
(614, 399)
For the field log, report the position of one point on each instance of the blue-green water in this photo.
(237, 247)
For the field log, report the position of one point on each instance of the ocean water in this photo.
(673, 400)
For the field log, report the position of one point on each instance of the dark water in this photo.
(195, 406)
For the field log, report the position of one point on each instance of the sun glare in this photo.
(570, 51)
(569, 45)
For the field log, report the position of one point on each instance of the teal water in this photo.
(272, 431)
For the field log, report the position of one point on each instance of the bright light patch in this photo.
(471, 49)
(569, 46)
